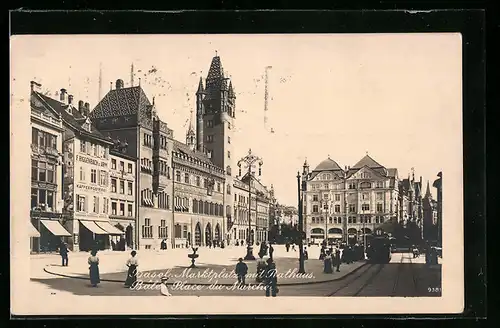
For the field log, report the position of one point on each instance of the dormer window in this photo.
(87, 125)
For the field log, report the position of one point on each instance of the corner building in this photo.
(345, 204)
(86, 177)
(46, 174)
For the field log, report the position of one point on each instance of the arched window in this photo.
(198, 182)
(228, 188)
(216, 209)
(221, 211)
(205, 208)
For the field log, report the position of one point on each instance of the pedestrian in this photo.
(222, 245)
(132, 265)
(93, 262)
(237, 243)
(306, 254)
(271, 279)
(63, 251)
(261, 268)
(327, 263)
(293, 247)
(322, 253)
(241, 271)
(271, 251)
(287, 246)
(337, 259)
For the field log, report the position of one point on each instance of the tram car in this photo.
(379, 250)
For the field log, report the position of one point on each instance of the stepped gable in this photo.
(75, 119)
(122, 102)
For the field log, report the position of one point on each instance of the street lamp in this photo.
(301, 227)
(250, 161)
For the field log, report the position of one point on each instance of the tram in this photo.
(379, 250)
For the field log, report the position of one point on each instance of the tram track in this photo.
(404, 269)
(372, 271)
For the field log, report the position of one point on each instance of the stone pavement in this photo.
(213, 265)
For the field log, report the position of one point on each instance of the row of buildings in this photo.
(350, 202)
(115, 175)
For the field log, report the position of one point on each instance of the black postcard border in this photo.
(470, 23)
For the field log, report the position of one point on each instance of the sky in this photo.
(396, 97)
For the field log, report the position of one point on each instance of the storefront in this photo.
(48, 235)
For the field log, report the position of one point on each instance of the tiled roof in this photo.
(200, 86)
(123, 101)
(328, 165)
(367, 161)
(392, 172)
(75, 119)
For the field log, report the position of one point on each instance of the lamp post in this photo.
(301, 226)
(250, 160)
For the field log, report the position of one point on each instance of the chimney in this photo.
(63, 96)
(35, 86)
(70, 99)
(119, 84)
(80, 105)
(87, 109)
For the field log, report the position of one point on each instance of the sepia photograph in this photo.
(233, 174)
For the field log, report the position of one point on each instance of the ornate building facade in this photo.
(347, 203)
(46, 173)
(183, 190)
(257, 203)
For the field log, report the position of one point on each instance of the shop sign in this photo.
(88, 160)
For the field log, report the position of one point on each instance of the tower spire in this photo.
(428, 191)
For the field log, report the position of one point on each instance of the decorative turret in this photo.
(200, 111)
(191, 135)
(305, 168)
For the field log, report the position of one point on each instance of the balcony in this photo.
(47, 151)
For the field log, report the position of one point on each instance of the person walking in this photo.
(93, 262)
(327, 263)
(337, 259)
(63, 251)
(132, 265)
(287, 246)
(261, 268)
(241, 271)
(306, 254)
(271, 279)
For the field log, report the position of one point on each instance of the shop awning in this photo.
(55, 228)
(32, 231)
(106, 226)
(94, 227)
(335, 235)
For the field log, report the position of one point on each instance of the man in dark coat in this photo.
(271, 251)
(63, 251)
(271, 279)
(241, 271)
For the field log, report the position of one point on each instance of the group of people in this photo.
(132, 264)
(266, 273)
(334, 255)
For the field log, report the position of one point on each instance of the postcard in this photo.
(236, 174)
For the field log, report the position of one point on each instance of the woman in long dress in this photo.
(132, 264)
(327, 261)
(94, 269)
